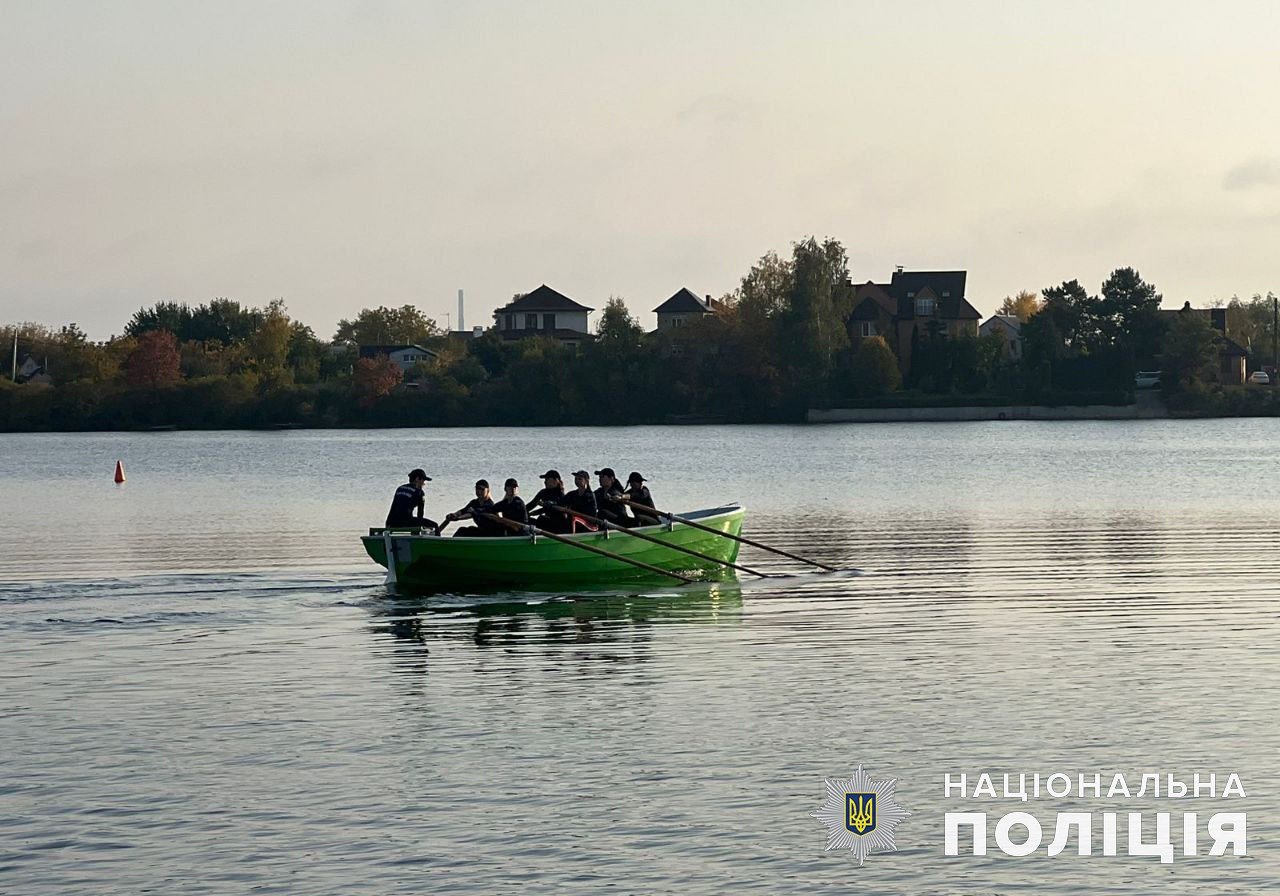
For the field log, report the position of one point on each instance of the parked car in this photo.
(1260, 377)
(1146, 379)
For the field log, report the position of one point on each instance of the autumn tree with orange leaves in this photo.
(154, 361)
(375, 378)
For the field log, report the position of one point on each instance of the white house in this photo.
(543, 312)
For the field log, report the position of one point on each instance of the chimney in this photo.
(462, 323)
(898, 269)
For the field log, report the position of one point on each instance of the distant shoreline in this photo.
(818, 419)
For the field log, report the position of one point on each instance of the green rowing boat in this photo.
(538, 563)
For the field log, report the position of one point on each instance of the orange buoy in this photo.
(119, 471)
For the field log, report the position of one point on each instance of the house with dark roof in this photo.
(683, 306)
(406, 357)
(913, 305)
(1233, 358)
(32, 371)
(543, 312)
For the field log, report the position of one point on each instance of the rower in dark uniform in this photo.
(547, 501)
(407, 505)
(611, 509)
(638, 494)
(582, 500)
(474, 510)
(511, 507)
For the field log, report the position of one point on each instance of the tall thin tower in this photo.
(462, 322)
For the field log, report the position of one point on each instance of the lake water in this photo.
(208, 689)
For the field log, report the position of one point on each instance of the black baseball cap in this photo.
(607, 471)
(511, 483)
(551, 474)
(581, 474)
(419, 474)
(635, 477)
(482, 483)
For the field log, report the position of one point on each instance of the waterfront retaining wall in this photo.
(1012, 412)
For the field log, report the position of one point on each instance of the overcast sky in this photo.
(347, 154)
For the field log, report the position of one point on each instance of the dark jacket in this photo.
(549, 500)
(408, 498)
(509, 509)
(639, 496)
(582, 502)
(477, 506)
(611, 508)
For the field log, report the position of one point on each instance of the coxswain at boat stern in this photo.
(547, 501)
(638, 494)
(511, 507)
(408, 503)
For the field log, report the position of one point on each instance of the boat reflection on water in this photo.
(599, 620)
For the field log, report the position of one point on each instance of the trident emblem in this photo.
(860, 809)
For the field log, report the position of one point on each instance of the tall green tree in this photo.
(1190, 350)
(1074, 314)
(765, 292)
(1129, 315)
(171, 316)
(617, 326)
(405, 325)
(813, 326)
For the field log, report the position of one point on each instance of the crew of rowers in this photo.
(552, 509)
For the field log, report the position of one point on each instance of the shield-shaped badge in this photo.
(860, 812)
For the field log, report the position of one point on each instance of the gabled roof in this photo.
(372, 351)
(947, 288)
(684, 301)
(868, 309)
(544, 298)
(878, 293)
(1012, 321)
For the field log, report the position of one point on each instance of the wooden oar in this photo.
(511, 524)
(623, 530)
(754, 544)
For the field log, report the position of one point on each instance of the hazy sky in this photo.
(342, 155)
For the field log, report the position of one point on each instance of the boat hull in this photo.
(536, 563)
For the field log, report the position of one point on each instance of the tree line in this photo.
(774, 347)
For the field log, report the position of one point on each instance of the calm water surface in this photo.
(208, 689)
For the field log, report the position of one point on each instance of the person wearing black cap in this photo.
(638, 494)
(547, 502)
(407, 505)
(476, 507)
(611, 509)
(511, 507)
(582, 500)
